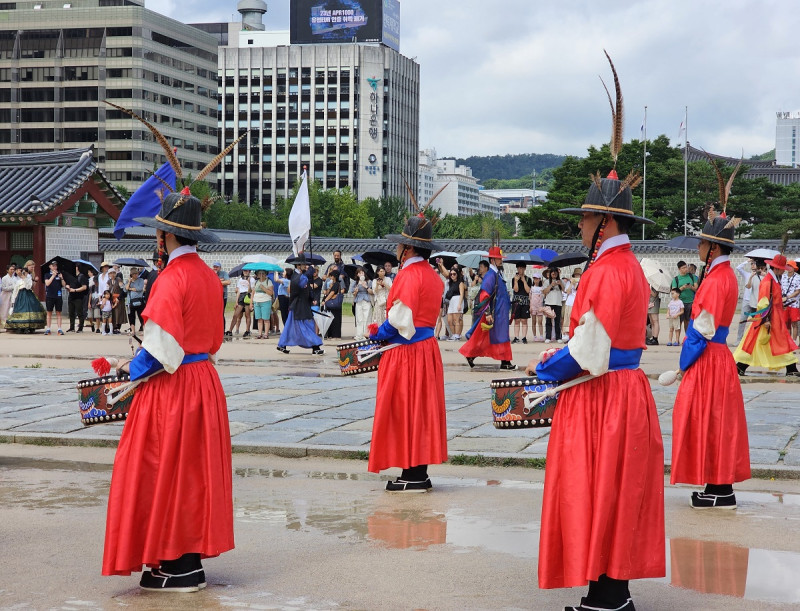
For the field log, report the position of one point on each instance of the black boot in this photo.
(741, 368)
(184, 574)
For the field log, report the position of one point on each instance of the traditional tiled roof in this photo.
(35, 183)
(143, 238)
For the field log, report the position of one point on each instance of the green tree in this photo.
(388, 215)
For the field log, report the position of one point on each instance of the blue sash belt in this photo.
(563, 366)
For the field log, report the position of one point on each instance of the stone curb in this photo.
(296, 450)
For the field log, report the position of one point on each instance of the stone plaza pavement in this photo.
(299, 406)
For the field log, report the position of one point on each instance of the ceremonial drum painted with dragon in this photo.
(93, 400)
(350, 363)
(512, 403)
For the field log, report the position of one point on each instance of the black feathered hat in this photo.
(417, 232)
(181, 214)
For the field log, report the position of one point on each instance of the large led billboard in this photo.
(330, 21)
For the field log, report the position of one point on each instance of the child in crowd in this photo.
(674, 314)
(106, 305)
(537, 301)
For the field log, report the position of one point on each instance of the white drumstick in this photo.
(365, 355)
(551, 392)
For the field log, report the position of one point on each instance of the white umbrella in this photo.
(260, 259)
(656, 277)
(323, 320)
(472, 258)
(762, 253)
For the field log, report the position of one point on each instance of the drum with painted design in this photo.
(351, 357)
(93, 400)
(513, 403)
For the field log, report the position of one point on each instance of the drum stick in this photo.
(551, 392)
(365, 355)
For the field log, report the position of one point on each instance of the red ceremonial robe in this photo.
(709, 430)
(171, 487)
(410, 426)
(603, 504)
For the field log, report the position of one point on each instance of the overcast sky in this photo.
(521, 76)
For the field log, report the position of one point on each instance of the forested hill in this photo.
(510, 166)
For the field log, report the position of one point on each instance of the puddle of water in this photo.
(714, 567)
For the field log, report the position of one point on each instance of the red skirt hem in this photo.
(479, 344)
(410, 425)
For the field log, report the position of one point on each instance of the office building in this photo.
(462, 196)
(786, 139)
(60, 59)
(348, 111)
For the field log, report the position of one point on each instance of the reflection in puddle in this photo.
(407, 529)
(712, 567)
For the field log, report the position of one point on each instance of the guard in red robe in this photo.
(603, 504)
(410, 429)
(767, 341)
(171, 500)
(488, 335)
(709, 429)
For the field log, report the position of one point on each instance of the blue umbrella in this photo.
(132, 261)
(544, 253)
(262, 267)
(85, 264)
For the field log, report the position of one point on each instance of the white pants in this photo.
(363, 317)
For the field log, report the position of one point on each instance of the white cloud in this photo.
(521, 76)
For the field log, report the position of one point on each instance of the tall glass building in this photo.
(348, 111)
(60, 59)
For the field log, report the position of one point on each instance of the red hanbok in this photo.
(410, 426)
(603, 504)
(171, 488)
(709, 429)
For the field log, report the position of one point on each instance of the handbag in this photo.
(335, 303)
(246, 300)
(136, 302)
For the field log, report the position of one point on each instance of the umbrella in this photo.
(358, 258)
(448, 258)
(683, 242)
(65, 266)
(351, 268)
(762, 253)
(567, 259)
(545, 253)
(472, 258)
(524, 259)
(262, 267)
(379, 257)
(656, 277)
(131, 261)
(236, 271)
(85, 265)
(259, 259)
(311, 259)
(323, 320)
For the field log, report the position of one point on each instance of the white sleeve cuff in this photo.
(590, 345)
(402, 319)
(162, 346)
(704, 324)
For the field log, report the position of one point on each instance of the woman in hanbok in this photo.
(26, 314)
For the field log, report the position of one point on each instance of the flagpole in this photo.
(644, 174)
(685, 169)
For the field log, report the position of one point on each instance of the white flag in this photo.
(300, 217)
(681, 130)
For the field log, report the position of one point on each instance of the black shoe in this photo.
(652, 341)
(401, 485)
(741, 369)
(97, 331)
(159, 581)
(246, 335)
(703, 500)
(793, 374)
(316, 351)
(585, 606)
(508, 365)
(70, 330)
(524, 340)
(515, 341)
(283, 349)
(471, 361)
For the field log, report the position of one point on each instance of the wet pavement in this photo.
(316, 533)
(303, 407)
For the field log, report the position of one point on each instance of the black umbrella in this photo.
(448, 259)
(567, 259)
(379, 257)
(65, 266)
(524, 259)
(236, 271)
(85, 266)
(133, 262)
(351, 269)
(311, 259)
